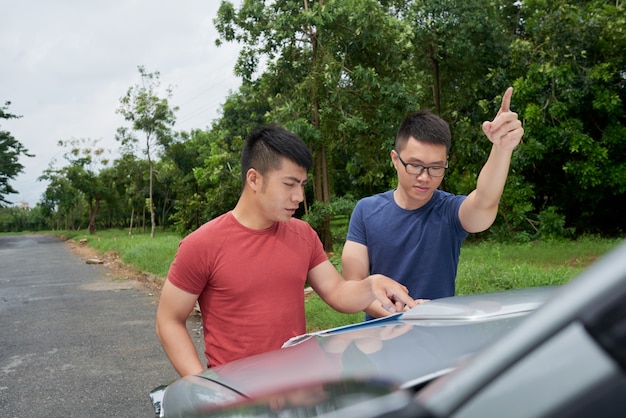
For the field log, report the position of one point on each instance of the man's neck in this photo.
(248, 216)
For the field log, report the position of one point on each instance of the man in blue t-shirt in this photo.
(414, 233)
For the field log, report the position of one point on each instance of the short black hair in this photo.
(265, 146)
(425, 126)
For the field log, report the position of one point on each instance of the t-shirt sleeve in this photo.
(356, 227)
(318, 255)
(187, 272)
(453, 206)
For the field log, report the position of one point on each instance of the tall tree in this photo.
(132, 188)
(330, 64)
(10, 151)
(457, 42)
(61, 203)
(85, 161)
(571, 83)
(207, 162)
(151, 115)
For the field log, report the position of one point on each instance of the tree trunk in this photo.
(321, 185)
(93, 213)
(436, 86)
(152, 214)
(130, 228)
(165, 209)
(325, 232)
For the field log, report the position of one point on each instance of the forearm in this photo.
(353, 296)
(492, 177)
(179, 347)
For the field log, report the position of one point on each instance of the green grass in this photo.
(488, 267)
(139, 250)
(483, 267)
(321, 316)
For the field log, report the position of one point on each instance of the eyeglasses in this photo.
(417, 169)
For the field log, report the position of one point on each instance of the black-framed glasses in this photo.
(418, 169)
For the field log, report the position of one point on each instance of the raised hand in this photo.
(505, 130)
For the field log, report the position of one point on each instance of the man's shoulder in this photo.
(210, 227)
(298, 226)
(297, 232)
(376, 200)
(441, 197)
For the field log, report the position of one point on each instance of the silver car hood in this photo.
(428, 341)
(481, 306)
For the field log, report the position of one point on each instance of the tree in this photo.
(571, 86)
(152, 116)
(85, 160)
(329, 65)
(127, 176)
(61, 204)
(456, 43)
(10, 151)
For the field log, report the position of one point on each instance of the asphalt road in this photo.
(74, 341)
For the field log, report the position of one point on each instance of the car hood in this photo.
(411, 348)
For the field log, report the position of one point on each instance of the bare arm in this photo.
(480, 208)
(351, 296)
(355, 265)
(175, 305)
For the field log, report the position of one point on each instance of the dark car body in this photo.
(410, 349)
(566, 359)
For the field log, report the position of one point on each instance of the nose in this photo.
(298, 195)
(423, 172)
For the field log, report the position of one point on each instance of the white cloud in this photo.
(66, 63)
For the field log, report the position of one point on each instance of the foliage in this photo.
(16, 219)
(151, 115)
(339, 210)
(570, 90)
(10, 152)
(331, 65)
(210, 170)
(129, 190)
(343, 74)
(552, 224)
(457, 42)
(80, 177)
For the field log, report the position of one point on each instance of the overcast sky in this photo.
(64, 64)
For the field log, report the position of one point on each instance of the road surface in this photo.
(74, 341)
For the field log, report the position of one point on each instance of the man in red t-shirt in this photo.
(247, 268)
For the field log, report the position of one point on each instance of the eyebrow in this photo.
(295, 179)
(414, 160)
(431, 164)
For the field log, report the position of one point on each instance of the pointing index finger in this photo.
(506, 100)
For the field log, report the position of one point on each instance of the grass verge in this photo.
(483, 267)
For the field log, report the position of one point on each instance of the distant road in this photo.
(73, 342)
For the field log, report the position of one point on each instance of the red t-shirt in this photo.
(250, 283)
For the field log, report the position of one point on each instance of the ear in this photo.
(253, 179)
(394, 157)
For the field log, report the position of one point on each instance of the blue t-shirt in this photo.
(419, 248)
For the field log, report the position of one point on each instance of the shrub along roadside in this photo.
(484, 267)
